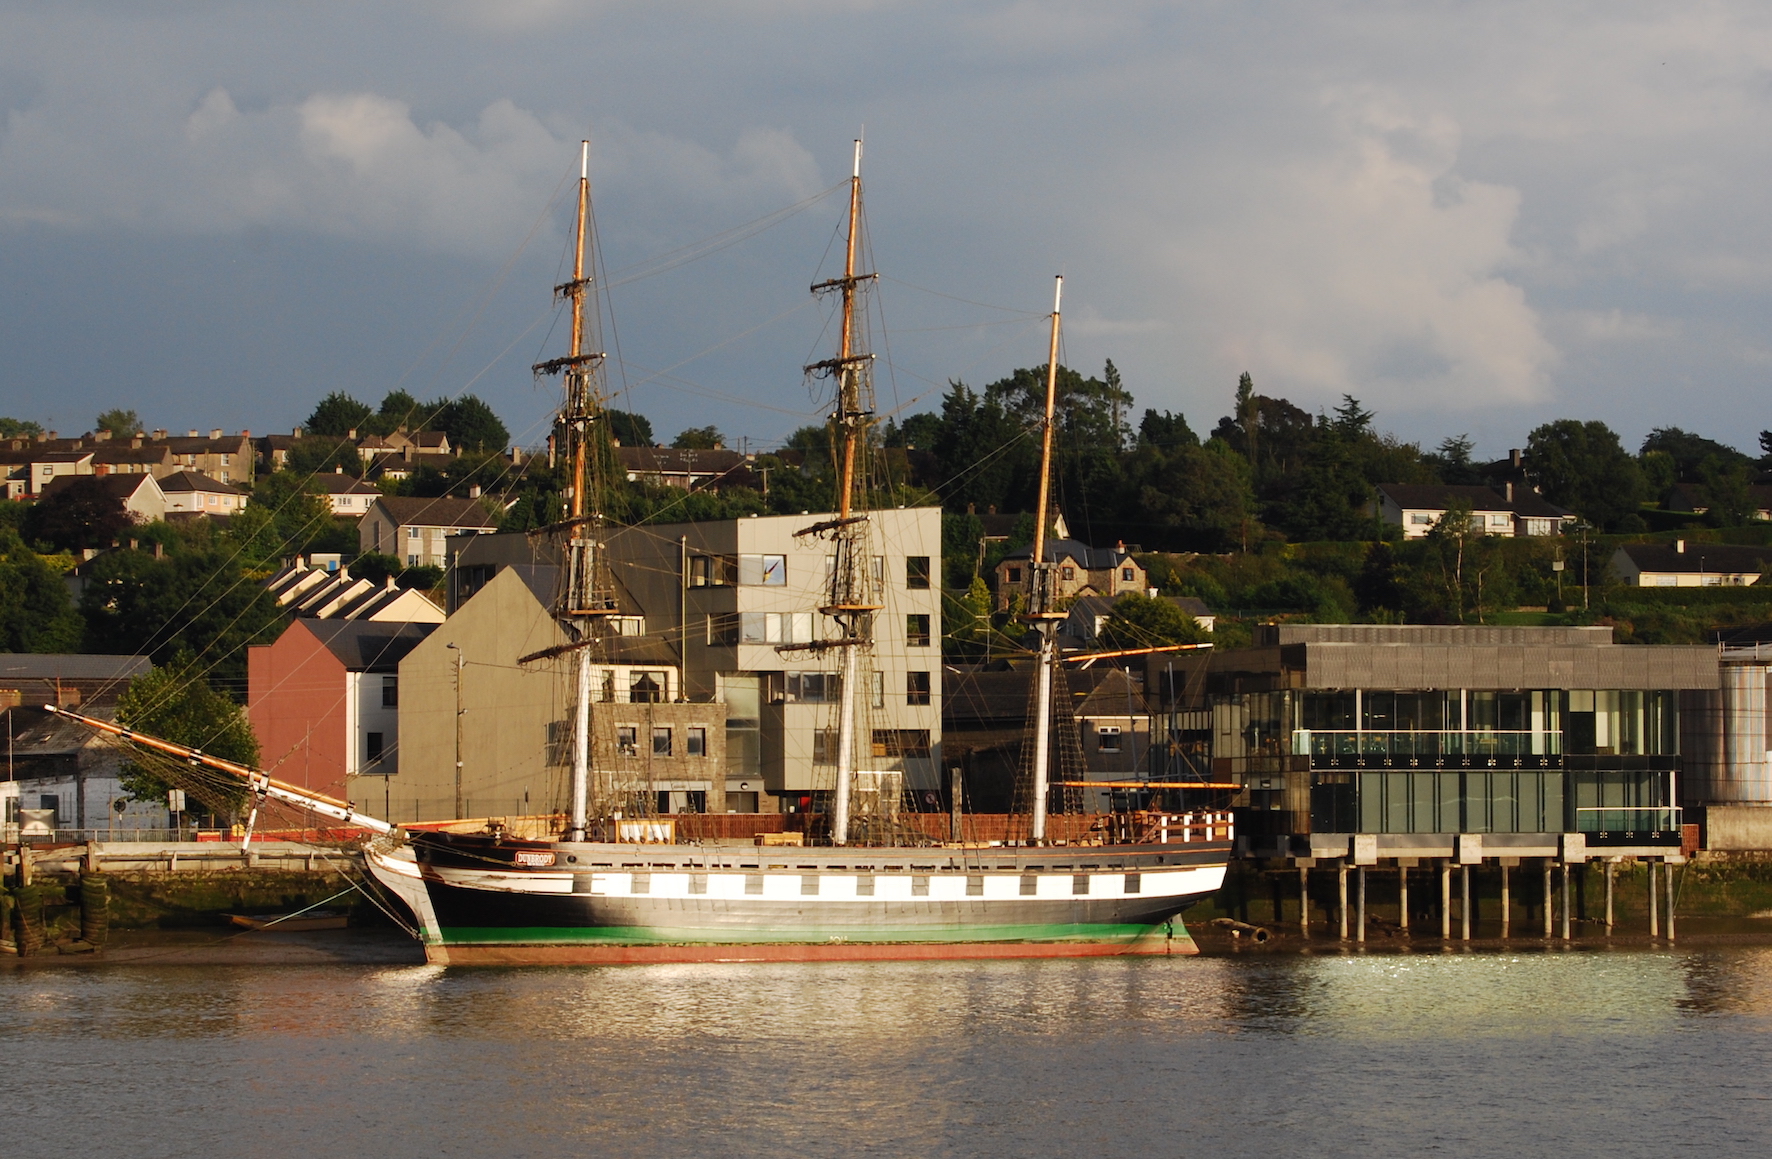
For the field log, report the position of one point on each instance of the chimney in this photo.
(159, 550)
(1513, 458)
(295, 432)
(137, 440)
(215, 432)
(160, 434)
(351, 434)
(244, 433)
(1680, 546)
(191, 434)
(474, 491)
(100, 436)
(339, 469)
(1509, 488)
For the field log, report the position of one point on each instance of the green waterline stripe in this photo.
(683, 935)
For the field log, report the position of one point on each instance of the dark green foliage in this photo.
(287, 516)
(1188, 497)
(121, 423)
(630, 429)
(198, 598)
(919, 431)
(699, 439)
(320, 455)
(1138, 621)
(400, 409)
(36, 613)
(175, 703)
(470, 424)
(375, 567)
(1689, 451)
(984, 451)
(961, 538)
(423, 578)
(1451, 463)
(338, 414)
(81, 514)
(1166, 431)
(1723, 484)
(19, 428)
(1582, 466)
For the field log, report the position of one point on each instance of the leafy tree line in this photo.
(468, 421)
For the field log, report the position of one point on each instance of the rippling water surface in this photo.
(1616, 1054)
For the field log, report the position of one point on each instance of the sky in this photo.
(1473, 217)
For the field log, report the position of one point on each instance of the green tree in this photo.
(699, 439)
(323, 455)
(400, 409)
(1139, 621)
(982, 450)
(629, 428)
(1582, 466)
(36, 613)
(1191, 498)
(1660, 473)
(121, 423)
(470, 423)
(920, 431)
(174, 702)
(19, 428)
(285, 518)
(1166, 431)
(1451, 463)
(338, 414)
(1690, 452)
(82, 514)
(1724, 484)
(966, 631)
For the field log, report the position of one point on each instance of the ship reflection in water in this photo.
(1522, 1054)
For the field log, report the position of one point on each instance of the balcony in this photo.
(1477, 748)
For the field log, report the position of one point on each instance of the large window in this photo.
(775, 627)
(916, 688)
(916, 630)
(916, 572)
(764, 570)
(661, 741)
(390, 692)
(901, 742)
(696, 741)
(814, 687)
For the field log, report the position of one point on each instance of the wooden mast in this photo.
(585, 602)
(851, 604)
(1040, 594)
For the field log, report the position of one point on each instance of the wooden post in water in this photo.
(1403, 898)
(1611, 867)
(1445, 901)
(1550, 902)
(1654, 914)
(1565, 901)
(1341, 887)
(1507, 916)
(1304, 901)
(1464, 902)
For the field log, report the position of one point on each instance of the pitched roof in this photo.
(124, 453)
(123, 485)
(1698, 558)
(338, 483)
(1093, 558)
(64, 666)
(1116, 694)
(62, 457)
(197, 481)
(1438, 497)
(368, 645)
(678, 460)
(439, 512)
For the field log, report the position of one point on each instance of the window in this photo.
(645, 688)
(916, 572)
(415, 533)
(824, 746)
(559, 749)
(1126, 574)
(1107, 739)
(901, 742)
(775, 627)
(696, 742)
(1069, 573)
(764, 570)
(628, 625)
(390, 692)
(1420, 518)
(879, 690)
(661, 741)
(412, 561)
(374, 747)
(916, 630)
(627, 740)
(227, 460)
(814, 687)
(916, 688)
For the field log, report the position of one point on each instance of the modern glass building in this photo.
(1382, 729)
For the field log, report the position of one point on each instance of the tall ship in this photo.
(611, 882)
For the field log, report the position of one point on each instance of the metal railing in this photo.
(1437, 743)
(1628, 819)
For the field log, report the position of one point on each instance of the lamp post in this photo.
(458, 710)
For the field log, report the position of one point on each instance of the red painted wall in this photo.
(295, 698)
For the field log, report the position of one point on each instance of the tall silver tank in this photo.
(1743, 778)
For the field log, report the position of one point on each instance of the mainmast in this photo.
(1040, 611)
(586, 599)
(851, 604)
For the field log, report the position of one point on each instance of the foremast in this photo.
(586, 598)
(1041, 612)
(851, 602)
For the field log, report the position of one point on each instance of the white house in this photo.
(192, 492)
(1684, 564)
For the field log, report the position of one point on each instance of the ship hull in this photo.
(517, 903)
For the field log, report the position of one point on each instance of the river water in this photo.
(1640, 1053)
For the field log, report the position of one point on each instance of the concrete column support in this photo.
(1550, 901)
(1360, 901)
(1341, 892)
(1506, 904)
(1304, 901)
(1668, 869)
(1654, 911)
(1464, 902)
(1565, 868)
(1611, 873)
(1403, 899)
(1445, 901)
